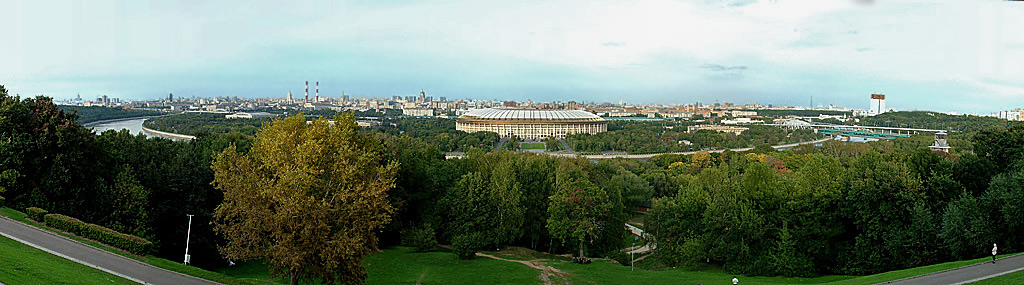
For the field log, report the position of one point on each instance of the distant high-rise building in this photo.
(877, 104)
(289, 96)
(443, 99)
(423, 96)
(170, 97)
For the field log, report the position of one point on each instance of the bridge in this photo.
(886, 133)
(870, 135)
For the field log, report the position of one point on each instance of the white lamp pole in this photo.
(188, 235)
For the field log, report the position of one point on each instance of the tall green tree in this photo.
(578, 212)
(307, 199)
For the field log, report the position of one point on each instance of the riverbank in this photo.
(166, 134)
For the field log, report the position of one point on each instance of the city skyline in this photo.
(926, 55)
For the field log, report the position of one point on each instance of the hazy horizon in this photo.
(960, 56)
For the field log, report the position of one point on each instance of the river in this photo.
(133, 125)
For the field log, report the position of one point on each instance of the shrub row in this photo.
(2, 201)
(36, 213)
(98, 233)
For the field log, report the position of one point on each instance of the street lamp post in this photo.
(188, 236)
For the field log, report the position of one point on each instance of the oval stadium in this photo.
(531, 123)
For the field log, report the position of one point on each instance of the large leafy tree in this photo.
(307, 199)
(578, 211)
(45, 155)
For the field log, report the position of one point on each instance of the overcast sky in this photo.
(963, 55)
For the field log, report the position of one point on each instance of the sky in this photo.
(962, 56)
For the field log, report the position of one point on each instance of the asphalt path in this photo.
(87, 255)
(968, 274)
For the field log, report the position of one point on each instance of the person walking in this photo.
(993, 253)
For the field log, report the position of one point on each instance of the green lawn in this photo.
(401, 266)
(532, 145)
(149, 259)
(23, 264)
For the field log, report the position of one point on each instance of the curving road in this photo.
(67, 248)
(968, 274)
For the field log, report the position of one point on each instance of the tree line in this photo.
(88, 114)
(672, 136)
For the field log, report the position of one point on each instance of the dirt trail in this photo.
(548, 274)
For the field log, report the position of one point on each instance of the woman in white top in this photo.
(993, 253)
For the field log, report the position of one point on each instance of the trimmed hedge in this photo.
(36, 213)
(98, 233)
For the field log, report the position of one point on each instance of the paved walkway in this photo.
(647, 247)
(67, 248)
(968, 274)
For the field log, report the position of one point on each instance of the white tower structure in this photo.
(307, 91)
(940, 143)
(289, 96)
(317, 96)
(877, 104)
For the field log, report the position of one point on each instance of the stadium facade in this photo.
(530, 123)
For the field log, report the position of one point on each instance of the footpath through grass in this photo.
(23, 264)
(149, 259)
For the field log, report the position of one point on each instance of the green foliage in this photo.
(36, 213)
(933, 120)
(467, 245)
(88, 114)
(552, 144)
(98, 233)
(439, 132)
(422, 238)
(198, 123)
(579, 211)
(307, 198)
(2, 200)
(667, 136)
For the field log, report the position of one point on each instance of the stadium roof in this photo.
(530, 114)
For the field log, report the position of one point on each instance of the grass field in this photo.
(23, 264)
(531, 145)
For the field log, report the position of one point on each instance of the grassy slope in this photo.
(398, 265)
(22, 264)
(149, 259)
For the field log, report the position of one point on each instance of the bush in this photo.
(98, 233)
(420, 238)
(2, 201)
(619, 256)
(36, 213)
(467, 245)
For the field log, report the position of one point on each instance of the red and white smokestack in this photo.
(317, 98)
(307, 91)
